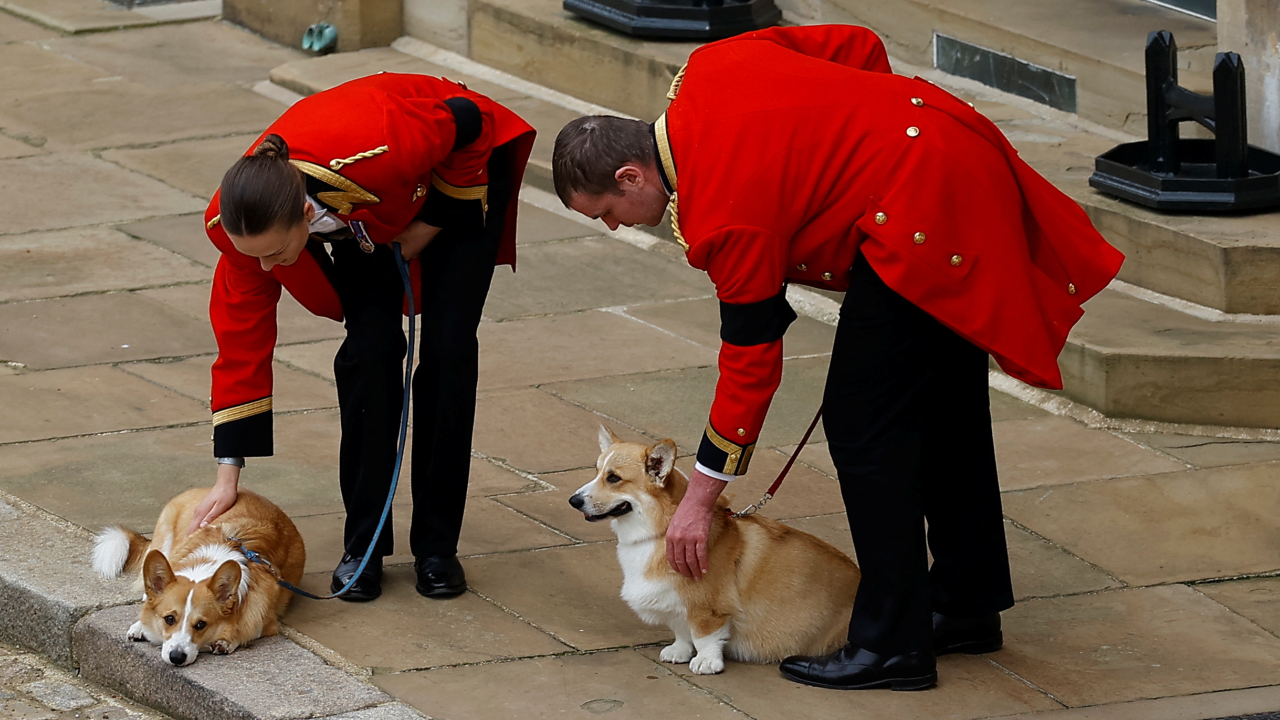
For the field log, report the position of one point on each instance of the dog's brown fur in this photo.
(771, 590)
(197, 597)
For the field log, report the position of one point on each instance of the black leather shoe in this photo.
(367, 588)
(972, 636)
(439, 576)
(852, 668)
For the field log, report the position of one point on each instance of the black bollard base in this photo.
(1124, 171)
(678, 19)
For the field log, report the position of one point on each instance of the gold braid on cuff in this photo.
(240, 412)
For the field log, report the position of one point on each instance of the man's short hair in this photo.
(589, 151)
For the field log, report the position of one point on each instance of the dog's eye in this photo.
(200, 624)
(169, 619)
(612, 479)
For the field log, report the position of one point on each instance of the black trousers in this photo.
(457, 269)
(908, 421)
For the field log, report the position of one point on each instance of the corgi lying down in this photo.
(202, 593)
(772, 591)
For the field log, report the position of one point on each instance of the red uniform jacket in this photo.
(385, 145)
(791, 150)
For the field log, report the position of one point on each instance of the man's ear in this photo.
(607, 439)
(156, 573)
(629, 174)
(660, 460)
(308, 210)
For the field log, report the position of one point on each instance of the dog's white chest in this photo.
(654, 599)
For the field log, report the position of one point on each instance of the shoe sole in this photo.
(440, 593)
(973, 647)
(924, 682)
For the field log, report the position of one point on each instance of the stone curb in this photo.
(54, 604)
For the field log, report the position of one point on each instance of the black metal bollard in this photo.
(679, 19)
(1169, 173)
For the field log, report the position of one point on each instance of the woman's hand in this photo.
(690, 527)
(220, 498)
(415, 239)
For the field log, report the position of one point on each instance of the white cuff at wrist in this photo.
(726, 477)
(237, 461)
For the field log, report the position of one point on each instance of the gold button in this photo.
(913, 131)
(1071, 288)
(881, 218)
(919, 238)
(917, 102)
(827, 276)
(802, 267)
(741, 432)
(955, 260)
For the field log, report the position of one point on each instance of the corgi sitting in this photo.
(772, 591)
(202, 592)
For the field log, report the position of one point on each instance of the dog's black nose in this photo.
(577, 502)
(177, 657)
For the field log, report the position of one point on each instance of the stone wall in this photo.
(439, 22)
(1252, 28)
(360, 23)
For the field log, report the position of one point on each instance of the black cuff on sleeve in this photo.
(468, 119)
(722, 454)
(756, 323)
(246, 437)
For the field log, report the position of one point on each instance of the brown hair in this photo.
(589, 150)
(262, 190)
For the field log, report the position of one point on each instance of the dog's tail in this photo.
(117, 549)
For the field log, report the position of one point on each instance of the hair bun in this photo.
(272, 146)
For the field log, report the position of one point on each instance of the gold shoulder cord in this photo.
(337, 164)
(675, 82)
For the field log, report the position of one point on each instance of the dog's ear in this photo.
(156, 573)
(607, 439)
(225, 585)
(660, 460)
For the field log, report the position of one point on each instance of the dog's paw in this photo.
(137, 632)
(222, 647)
(703, 665)
(676, 652)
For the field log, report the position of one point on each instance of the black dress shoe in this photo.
(440, 576)
(366, 588)
(852, 668)
(972, 636)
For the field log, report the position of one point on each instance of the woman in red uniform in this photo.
(313, 207)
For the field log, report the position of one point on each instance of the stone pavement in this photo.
(1145, 563)
(33, 688)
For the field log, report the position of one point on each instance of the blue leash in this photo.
(395, 474)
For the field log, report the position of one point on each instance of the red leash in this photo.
(768, 495)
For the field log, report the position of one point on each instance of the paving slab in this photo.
(76, 401)
(539, 433)
(649, 400)
(1250, 704)
(548, 119)
(37, 188)
(1126, 645)
(552, 506)
(968, 687)
(85, 260)
(1209, 451)
(34, 70)
(589, 273)
(48, 584)
(535, 225)
(92, 329)
(306, 77)
(591, 344)
(180, 54)
(105, 114)
(14, 29)
(572, 592)
(1166, 528)
(1256, 599)
(195, 166)
(75, 16)
(292, 390)
(182, 234)
(1006, 407)
(390, 711)
(312, 357)
(10, 148)
(295, 324)
(1054, 451)
(288, 681)
(126, 478)
(699, 321)
(402, 630)
(622, 684)
(59, 695)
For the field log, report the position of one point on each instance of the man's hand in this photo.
(415, 239)
(220, 498)
(691, 526)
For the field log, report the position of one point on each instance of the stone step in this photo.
(1129, 357)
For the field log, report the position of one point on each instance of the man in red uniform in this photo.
(313, 208)
(795, 155)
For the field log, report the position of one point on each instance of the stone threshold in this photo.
(75, 17)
